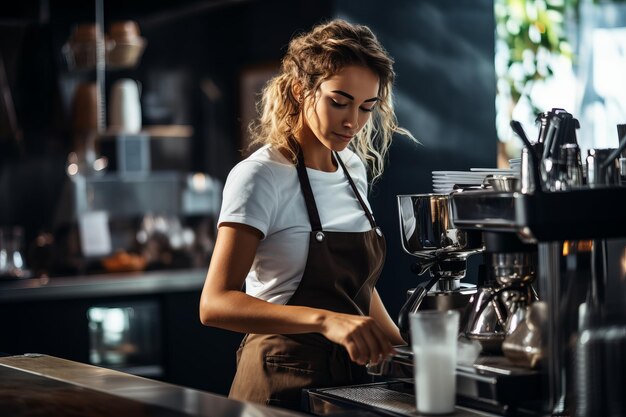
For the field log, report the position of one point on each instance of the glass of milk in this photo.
(434, 342)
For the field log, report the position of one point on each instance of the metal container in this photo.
(526, 345)
(486, 319)
(600, 170)
(601, 372)
(503, 183)
(527, 176)
(571, 172)
(427, 230)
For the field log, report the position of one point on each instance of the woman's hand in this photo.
(360, 335)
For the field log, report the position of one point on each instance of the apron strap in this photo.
(369, 215)
(307, 192)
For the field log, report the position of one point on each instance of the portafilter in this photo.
(427, 232)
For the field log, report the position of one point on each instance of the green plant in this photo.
(530, 32)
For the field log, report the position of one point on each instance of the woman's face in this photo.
(341, 107)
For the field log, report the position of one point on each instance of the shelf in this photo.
(169, 131)
(153, 131)
(102, 285)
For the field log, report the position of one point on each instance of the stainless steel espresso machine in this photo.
(490, 311)
(574, 241)
(428, 233)
(574, 213)
(550, 313)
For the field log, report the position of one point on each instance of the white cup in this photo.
(125, 107)
(434, 342)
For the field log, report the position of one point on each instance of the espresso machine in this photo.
(549, 314)
(573, 213)
(487, 382)
(428, 233)
(490, 311)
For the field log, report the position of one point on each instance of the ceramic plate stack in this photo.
(446, 181)
(515, 164)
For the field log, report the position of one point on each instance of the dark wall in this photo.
(445, 95)
(201, 48)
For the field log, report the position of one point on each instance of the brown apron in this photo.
(340, 273)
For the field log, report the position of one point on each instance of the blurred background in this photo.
(119, 122)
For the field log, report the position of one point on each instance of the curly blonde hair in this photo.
(311, 59)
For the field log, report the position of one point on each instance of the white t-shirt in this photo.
(263, 191)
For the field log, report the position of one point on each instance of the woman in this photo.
(295, 224)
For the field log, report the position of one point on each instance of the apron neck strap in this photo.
(307, 192)
(369, 215)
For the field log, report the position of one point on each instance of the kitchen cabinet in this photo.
(161, 337)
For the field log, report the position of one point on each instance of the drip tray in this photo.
(492, 380)
(376, 396)
(396, 398)
(393, 398)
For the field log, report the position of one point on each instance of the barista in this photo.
(296, 226)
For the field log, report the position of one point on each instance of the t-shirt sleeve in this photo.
(249, 196)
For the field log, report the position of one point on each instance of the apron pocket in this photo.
(289, 363)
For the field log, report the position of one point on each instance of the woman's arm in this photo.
(379, 313)
(224, 305)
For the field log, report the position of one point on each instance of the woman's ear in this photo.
(298, 92)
